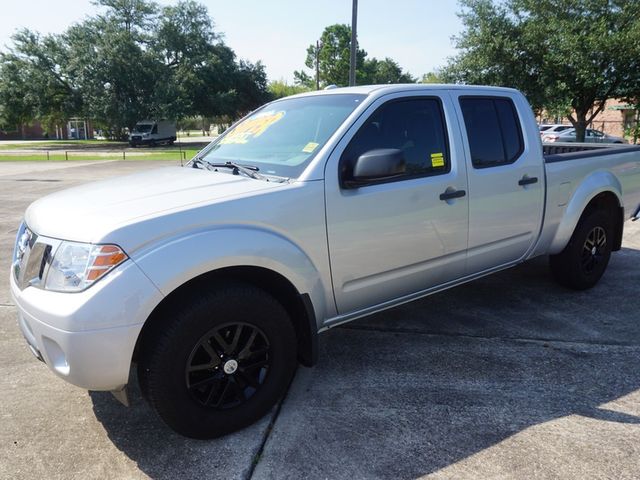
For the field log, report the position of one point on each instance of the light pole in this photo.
(318, 47)
(354, 44)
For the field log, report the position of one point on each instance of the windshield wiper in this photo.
(197, 163)
(248, 170)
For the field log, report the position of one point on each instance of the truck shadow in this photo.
(416, 389)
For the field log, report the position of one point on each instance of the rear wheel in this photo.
(220, 363)
(584, 260)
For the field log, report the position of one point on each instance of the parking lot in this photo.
(510, 376)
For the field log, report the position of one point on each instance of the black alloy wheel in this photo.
(585, 258)
(593, 250)
(228, 365)
(217, 359)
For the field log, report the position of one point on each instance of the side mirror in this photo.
(377, 165)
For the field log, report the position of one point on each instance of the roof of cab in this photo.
(400, 87)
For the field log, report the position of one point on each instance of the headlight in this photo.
(76, 266)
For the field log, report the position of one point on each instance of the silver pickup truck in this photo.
(215, 279)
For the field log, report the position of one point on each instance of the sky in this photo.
(415, 33)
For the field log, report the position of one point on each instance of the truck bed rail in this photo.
(560, 152)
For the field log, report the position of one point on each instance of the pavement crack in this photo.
(7, 305)
(541, 340)
(258, 456)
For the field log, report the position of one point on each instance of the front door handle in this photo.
(526, 180)
(451, 194)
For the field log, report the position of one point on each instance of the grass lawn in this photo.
(55, 144)
(79, 154)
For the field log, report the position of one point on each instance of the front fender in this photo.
(176, 261)
(594, 184)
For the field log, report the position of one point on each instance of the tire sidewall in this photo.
(167, 388)
(577, 276)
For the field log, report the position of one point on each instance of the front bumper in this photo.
(88, 338)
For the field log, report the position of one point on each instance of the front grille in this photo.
(31, 257)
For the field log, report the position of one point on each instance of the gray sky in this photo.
(415, 33)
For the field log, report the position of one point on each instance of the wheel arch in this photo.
(602, 190)
(298, 306)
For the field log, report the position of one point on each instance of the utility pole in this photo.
(354, 44)
(318, 46)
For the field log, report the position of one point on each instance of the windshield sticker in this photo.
(437, 160)
(252, 128)
(310, 147)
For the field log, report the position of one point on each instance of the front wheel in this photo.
(220, 362)
(584, 260)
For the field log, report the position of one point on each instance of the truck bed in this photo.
(569, 183)
(557, 152)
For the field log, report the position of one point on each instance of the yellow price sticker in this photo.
(437, 160)
(252, 127)
(310, 147)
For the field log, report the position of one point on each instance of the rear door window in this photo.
(493, 130)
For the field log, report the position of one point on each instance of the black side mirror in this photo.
(377, 165)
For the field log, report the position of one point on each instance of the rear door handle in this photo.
(527, 180)
(451, 194)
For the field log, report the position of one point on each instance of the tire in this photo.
(219, 361)
(152, 144)
(584, 260)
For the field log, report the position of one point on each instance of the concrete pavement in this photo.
(507, 377)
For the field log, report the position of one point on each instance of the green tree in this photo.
(630, 91)
(113, 71)
(433, 77)
(250, 87)
(563, 54)
(133, 60)
(33, 86)
(280, 89)
(374, 71)
(203, 76)
(303, 79)
(333, 55)
(133, 16)
(330, 58)
(17, 104)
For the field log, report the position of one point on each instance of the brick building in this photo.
(616, 118)
(73, 129)
(23, 132)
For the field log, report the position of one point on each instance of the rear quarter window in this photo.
(493, 130)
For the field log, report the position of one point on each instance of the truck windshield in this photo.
(282, 138)
(143, 128)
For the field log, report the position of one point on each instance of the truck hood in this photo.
(89, 212)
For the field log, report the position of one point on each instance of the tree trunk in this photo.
(580, 125)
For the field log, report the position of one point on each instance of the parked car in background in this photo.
(591, 136)
(552, 128)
